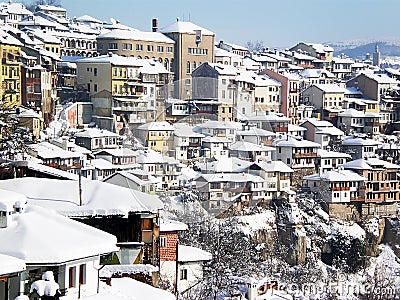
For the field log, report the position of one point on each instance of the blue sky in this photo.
(278, 23)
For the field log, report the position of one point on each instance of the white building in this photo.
(46, 240)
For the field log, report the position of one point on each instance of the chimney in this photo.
(154, 25)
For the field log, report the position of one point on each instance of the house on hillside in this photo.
(47, 241)
(132, 216)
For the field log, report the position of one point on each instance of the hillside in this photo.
(359, 48)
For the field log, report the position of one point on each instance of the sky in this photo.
(277, 23)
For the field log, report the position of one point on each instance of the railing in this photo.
(340, 188)
(304, 155)
(357, 198)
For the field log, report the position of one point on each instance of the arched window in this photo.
(171, 65)
(188, 67)
(194, 66)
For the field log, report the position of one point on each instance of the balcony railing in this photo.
(357, 198)
(340, 188)
(304, 155)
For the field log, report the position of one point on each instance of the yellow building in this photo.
(10, 49)
(194, 46)
(157, 136)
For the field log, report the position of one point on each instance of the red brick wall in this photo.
(169, 252)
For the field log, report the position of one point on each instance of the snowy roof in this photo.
(332, 154)
(185, 130)
(136, 35)
(360, 142)
(236, 47)
(152, 66)
(270, 117)
(64, 197)
(250, 147)
(9, 199)
(353, 113)
(336, 176)
(128, 175)
(358, 164)
(293, 127)
(217, 124)
(38, 167)
(225, 165)
(342, 60)
(117, 152)
(329, 131)
(51, 8)
(316, 73)
(89, 19)
(16, 8)
(274, 166)
(44, 36)
(381, 78)
(192, 254)
(320, 48)
(109, 270)
(128, 288)
(46, 150)
(95, 133)
(150, 156)
(185, 27)
(318, 123)
(232, 177)
(157, 126)
(218, 52)
(113, 59)
(40, 236)
(8, 39)
(290, 141)
(10, 264)
(224, 69)
(172, 225)
(254, 131)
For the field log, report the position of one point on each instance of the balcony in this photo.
(305, 155)
(340, 188)
(358, 198)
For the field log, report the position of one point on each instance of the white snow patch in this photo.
(109, 270)
(257, 222)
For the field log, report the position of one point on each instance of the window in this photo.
(169, 49)
(183, 274)
(71, 277)
(150, 48)
(94, 71)
(188, 67)
(139, 47)
(126, 46)
(160, 48)
(82, 274)
(163, 242)
(95, 87)
(112, 46)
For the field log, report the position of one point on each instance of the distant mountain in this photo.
(359, 48)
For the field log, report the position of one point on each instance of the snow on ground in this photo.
(252, 223)
(353, 230)
(372, 226)
(129, 289)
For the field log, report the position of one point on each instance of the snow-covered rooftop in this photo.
(192, 254)
(63, 196)
(10, 264)
(172, 225)
(136, 35)
(40, 236)
(185, 27)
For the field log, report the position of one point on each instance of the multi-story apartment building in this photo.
(139, 44)
(134, 84)
(290, 96)
(194, 45)
(319, 51)
(10, 51)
